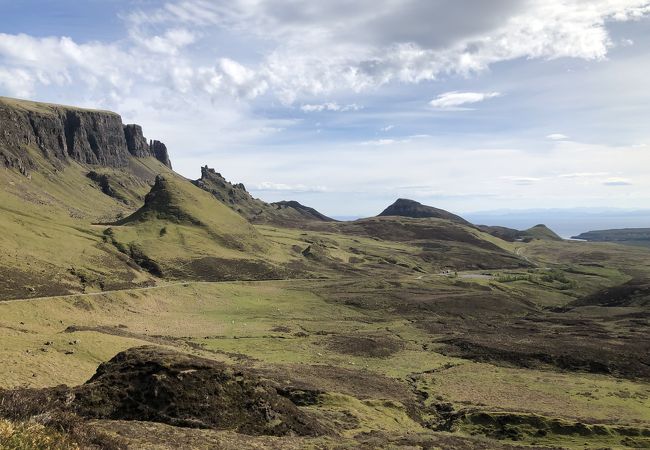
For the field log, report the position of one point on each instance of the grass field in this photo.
(284, 328)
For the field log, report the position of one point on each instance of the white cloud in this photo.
(242, 81)
(60, 60)
(582, 175)
(455, 99)
(17, 82)
(330, 106)
(557, 137)
(384, 142)
(617, 182)
(170, 42)
(522, 181)
(270, 186)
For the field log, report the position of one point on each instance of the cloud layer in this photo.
(313, 49)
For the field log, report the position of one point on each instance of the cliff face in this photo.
(159, 151)
(63, 133)
(135, 141)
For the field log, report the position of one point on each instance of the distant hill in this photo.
(632, 236)
(540, 231)
(307, 212)
(237, 198)
(410, 208)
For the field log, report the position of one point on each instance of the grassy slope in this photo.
(188, 234)
(542, 232)
(49, 245)
(42, 108)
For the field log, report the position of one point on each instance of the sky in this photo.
(467, 105)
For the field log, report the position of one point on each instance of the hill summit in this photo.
(410, 208)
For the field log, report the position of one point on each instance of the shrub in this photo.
(43, 418)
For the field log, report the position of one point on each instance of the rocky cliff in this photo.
(159, 151)
(62, 133)
(136, 142)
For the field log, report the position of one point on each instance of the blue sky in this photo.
(467, 105)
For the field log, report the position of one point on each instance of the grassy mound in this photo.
(542, 232)
(184, 232)
(410, 208)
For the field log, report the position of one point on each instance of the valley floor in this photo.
(479, 359)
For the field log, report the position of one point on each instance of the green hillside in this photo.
(184, 232)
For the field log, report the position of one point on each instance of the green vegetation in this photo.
(385, 332)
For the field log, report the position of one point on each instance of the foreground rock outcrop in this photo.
(62, 133)
(153, 384)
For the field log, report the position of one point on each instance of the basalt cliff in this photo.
(63, 134)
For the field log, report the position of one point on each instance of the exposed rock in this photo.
(95, 137)
(159, 151)
(102, 180)
(153, 384)
(410, 208)
(235, 196)
(135, 141)
(14, 162)
(62, 133)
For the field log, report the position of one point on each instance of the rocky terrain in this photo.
(62, 134)
(288, 213)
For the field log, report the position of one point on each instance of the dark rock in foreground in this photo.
(153, 384)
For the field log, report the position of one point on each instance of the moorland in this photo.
(140, 309)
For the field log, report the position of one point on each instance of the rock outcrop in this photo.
(235, 195)
(62, 133)
(135, 141)
(159, 151)
(158, 385)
